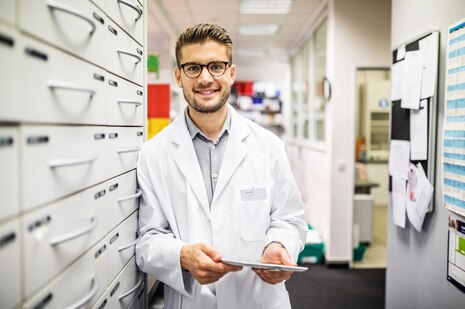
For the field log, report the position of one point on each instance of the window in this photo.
(308, 70)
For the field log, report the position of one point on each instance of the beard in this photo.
(190, 99)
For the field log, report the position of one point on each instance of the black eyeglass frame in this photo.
(226, 63)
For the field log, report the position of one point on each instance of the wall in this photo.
(358, 36)
(417, 262)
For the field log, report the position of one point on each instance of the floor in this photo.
(375, 254)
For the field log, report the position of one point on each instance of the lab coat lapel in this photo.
(186, 159)
(234, 153)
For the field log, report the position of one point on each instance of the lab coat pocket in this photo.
(255, 219)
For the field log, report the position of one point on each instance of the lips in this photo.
(205, 92)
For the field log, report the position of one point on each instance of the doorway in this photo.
(371, 162)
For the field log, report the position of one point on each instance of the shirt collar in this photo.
(194, 130)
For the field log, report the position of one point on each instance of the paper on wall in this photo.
(429, 47)
(397, 80)
(419, 132)
(419, 193)
(399, 158)
(399, 200)
(413, 71)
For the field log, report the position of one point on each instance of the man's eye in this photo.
(216, 66)
(193, 68)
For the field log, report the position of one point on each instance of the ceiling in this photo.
(181, 14)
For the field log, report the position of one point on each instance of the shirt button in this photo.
(213, 147)
(215, 175)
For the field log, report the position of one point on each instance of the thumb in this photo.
(212, 253)
(285, 258)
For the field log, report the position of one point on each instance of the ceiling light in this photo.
(263, 29)
(265, 6)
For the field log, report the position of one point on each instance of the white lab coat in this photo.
(174, 210)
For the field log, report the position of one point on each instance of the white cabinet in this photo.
(72, 116)
(10, 284)
(9, 80)
(124, 55)
(123, 197)
(57, 234)
(123, 148)
(9, 176)
(74, 93)
(59, 160)
(8, 11)
(80, 285)
(124, 102)
(76, 26)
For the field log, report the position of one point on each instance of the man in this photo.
(215, 185)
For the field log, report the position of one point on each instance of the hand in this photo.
(204, 263)
(275, 253)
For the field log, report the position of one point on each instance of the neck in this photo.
(209, 123)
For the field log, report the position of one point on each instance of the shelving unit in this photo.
(72, 116)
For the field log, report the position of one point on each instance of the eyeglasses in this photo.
(215, 68)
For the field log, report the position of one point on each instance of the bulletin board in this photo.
(401, 128)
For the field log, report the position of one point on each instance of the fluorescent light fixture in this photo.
(262, 29)
(265, 6)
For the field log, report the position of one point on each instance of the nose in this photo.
(205, 76)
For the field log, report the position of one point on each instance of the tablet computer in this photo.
(264, 265)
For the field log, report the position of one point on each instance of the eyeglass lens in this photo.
(216, 68)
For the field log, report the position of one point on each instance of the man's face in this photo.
(205, 94)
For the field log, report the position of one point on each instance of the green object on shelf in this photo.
(359, 251)
(153, 62)
(313, 252)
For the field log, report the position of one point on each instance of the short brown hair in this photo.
(202, 33)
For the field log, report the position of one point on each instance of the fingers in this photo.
(273, 277)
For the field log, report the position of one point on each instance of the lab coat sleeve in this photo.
(287, 224)
(158, 250)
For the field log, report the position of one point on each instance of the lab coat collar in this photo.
(186, 159)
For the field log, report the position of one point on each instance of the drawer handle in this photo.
(79, 232)
(130, 197)
(135, 8)
(128, 149)
(68, 86)
(72, 161)
(124, 52)
(87, 297)
(138, 284)
(124, 247)
(60, 7)
(136, 103)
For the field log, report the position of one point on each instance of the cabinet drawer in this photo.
(123, 289)
(57, 234)
(139, 300)
(79, 286)
(59, 160)
(9, 176)
(76, 26)
(121, 243)
(8, 11)
(129, 15)
(73, 93)
(123, 149)
(10, 284)
(124, 55)
(125, 102)
(10, 50)
(123, 197)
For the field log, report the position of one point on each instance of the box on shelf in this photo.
(314, 248)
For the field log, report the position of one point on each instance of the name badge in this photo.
(253, 194)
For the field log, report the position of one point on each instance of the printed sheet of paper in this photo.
(429, 47)
(397, 80)
(456, 252)
(454, 121)
(413, 72)
(419, 193)
(399, 200)
(419, 132)
(399, 158)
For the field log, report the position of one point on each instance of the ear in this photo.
(232, 73)
(177, 76)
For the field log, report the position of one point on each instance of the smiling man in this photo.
(216, 185)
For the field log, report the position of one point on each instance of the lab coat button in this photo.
(215, 175)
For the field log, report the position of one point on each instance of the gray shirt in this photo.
(209, 153)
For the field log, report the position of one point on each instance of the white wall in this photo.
(416, 266)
